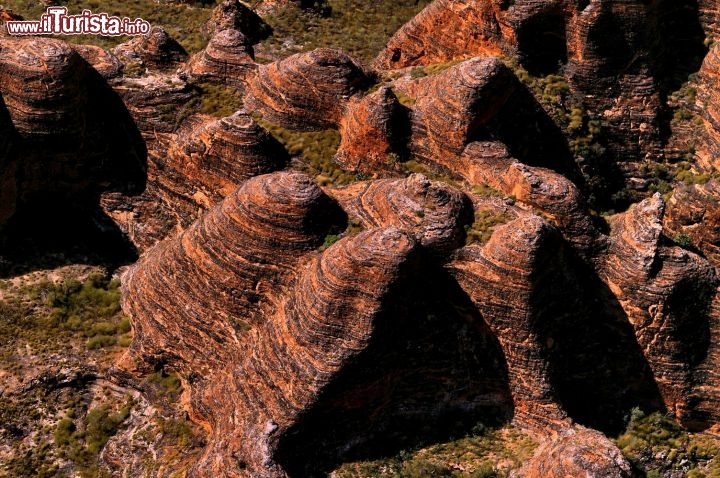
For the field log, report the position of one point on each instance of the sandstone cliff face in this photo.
(193, 169)
(578, 452)
(228, 58)
(443, 124)
(619, 58)
(156, 51)
(235, 15)
(256, 216)
(307, 91)
(66, 134)
(500, 280)
(298, 335)
(295, 356)
(371, 131)
(434, 213)
(446, 30)
(652, 284)
(708, 108)
(692, 212)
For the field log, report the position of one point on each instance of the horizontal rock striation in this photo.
(445, 30)
(108, 65)
(453, 106)
(328, 318)
(38, 107)
(502, 280)
(67, 137)
(653, 284)
(578, 451)
(227, 59)
(553, 194)
(693, 212)
(235, 15)
(434, 213)
(156, 51)
(191, 171)
(222, 153)
(372, 132)
(156, 102)
(306, 91)
(226, 263)
(707, 146)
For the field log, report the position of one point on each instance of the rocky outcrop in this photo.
(446, 30)
(371, 132)
(307, 91)
(434, 213)
(108, 65)
(578, 451)
(553, 194)
(453, 107)
(272, 221)
(70, 136)
(693, 213)
(313, 335)
(228, 59)
(216, 156)
(710, 18)
(501, 279)
(619, 59)
(156, 102)
(235, 15)
(652, 282)
(191, 171)
(297, 335)
(156, 51)
(707, 146)
(457, 109)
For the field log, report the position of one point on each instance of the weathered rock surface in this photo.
(155, 51)
(434, 213)
(66, 135)
(228, 58)
(371, 132)
(272, 220)
(453, 107)
(293, 358)
(501, 279)
(653, 284)
(307, 91)
(108, 65)
(235, 15)
(553, 194)
(707, 147)
(307, 332)
(578, 452)
(620, 58)
(156, 102)
(693, 211)
(191, 171)
(446, 30)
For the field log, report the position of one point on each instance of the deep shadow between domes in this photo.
(432, 371)
(57, 217)
(598, 369)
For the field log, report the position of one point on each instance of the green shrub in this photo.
(168, 384)
(482, 229)
(63, 432)
(683, 240)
